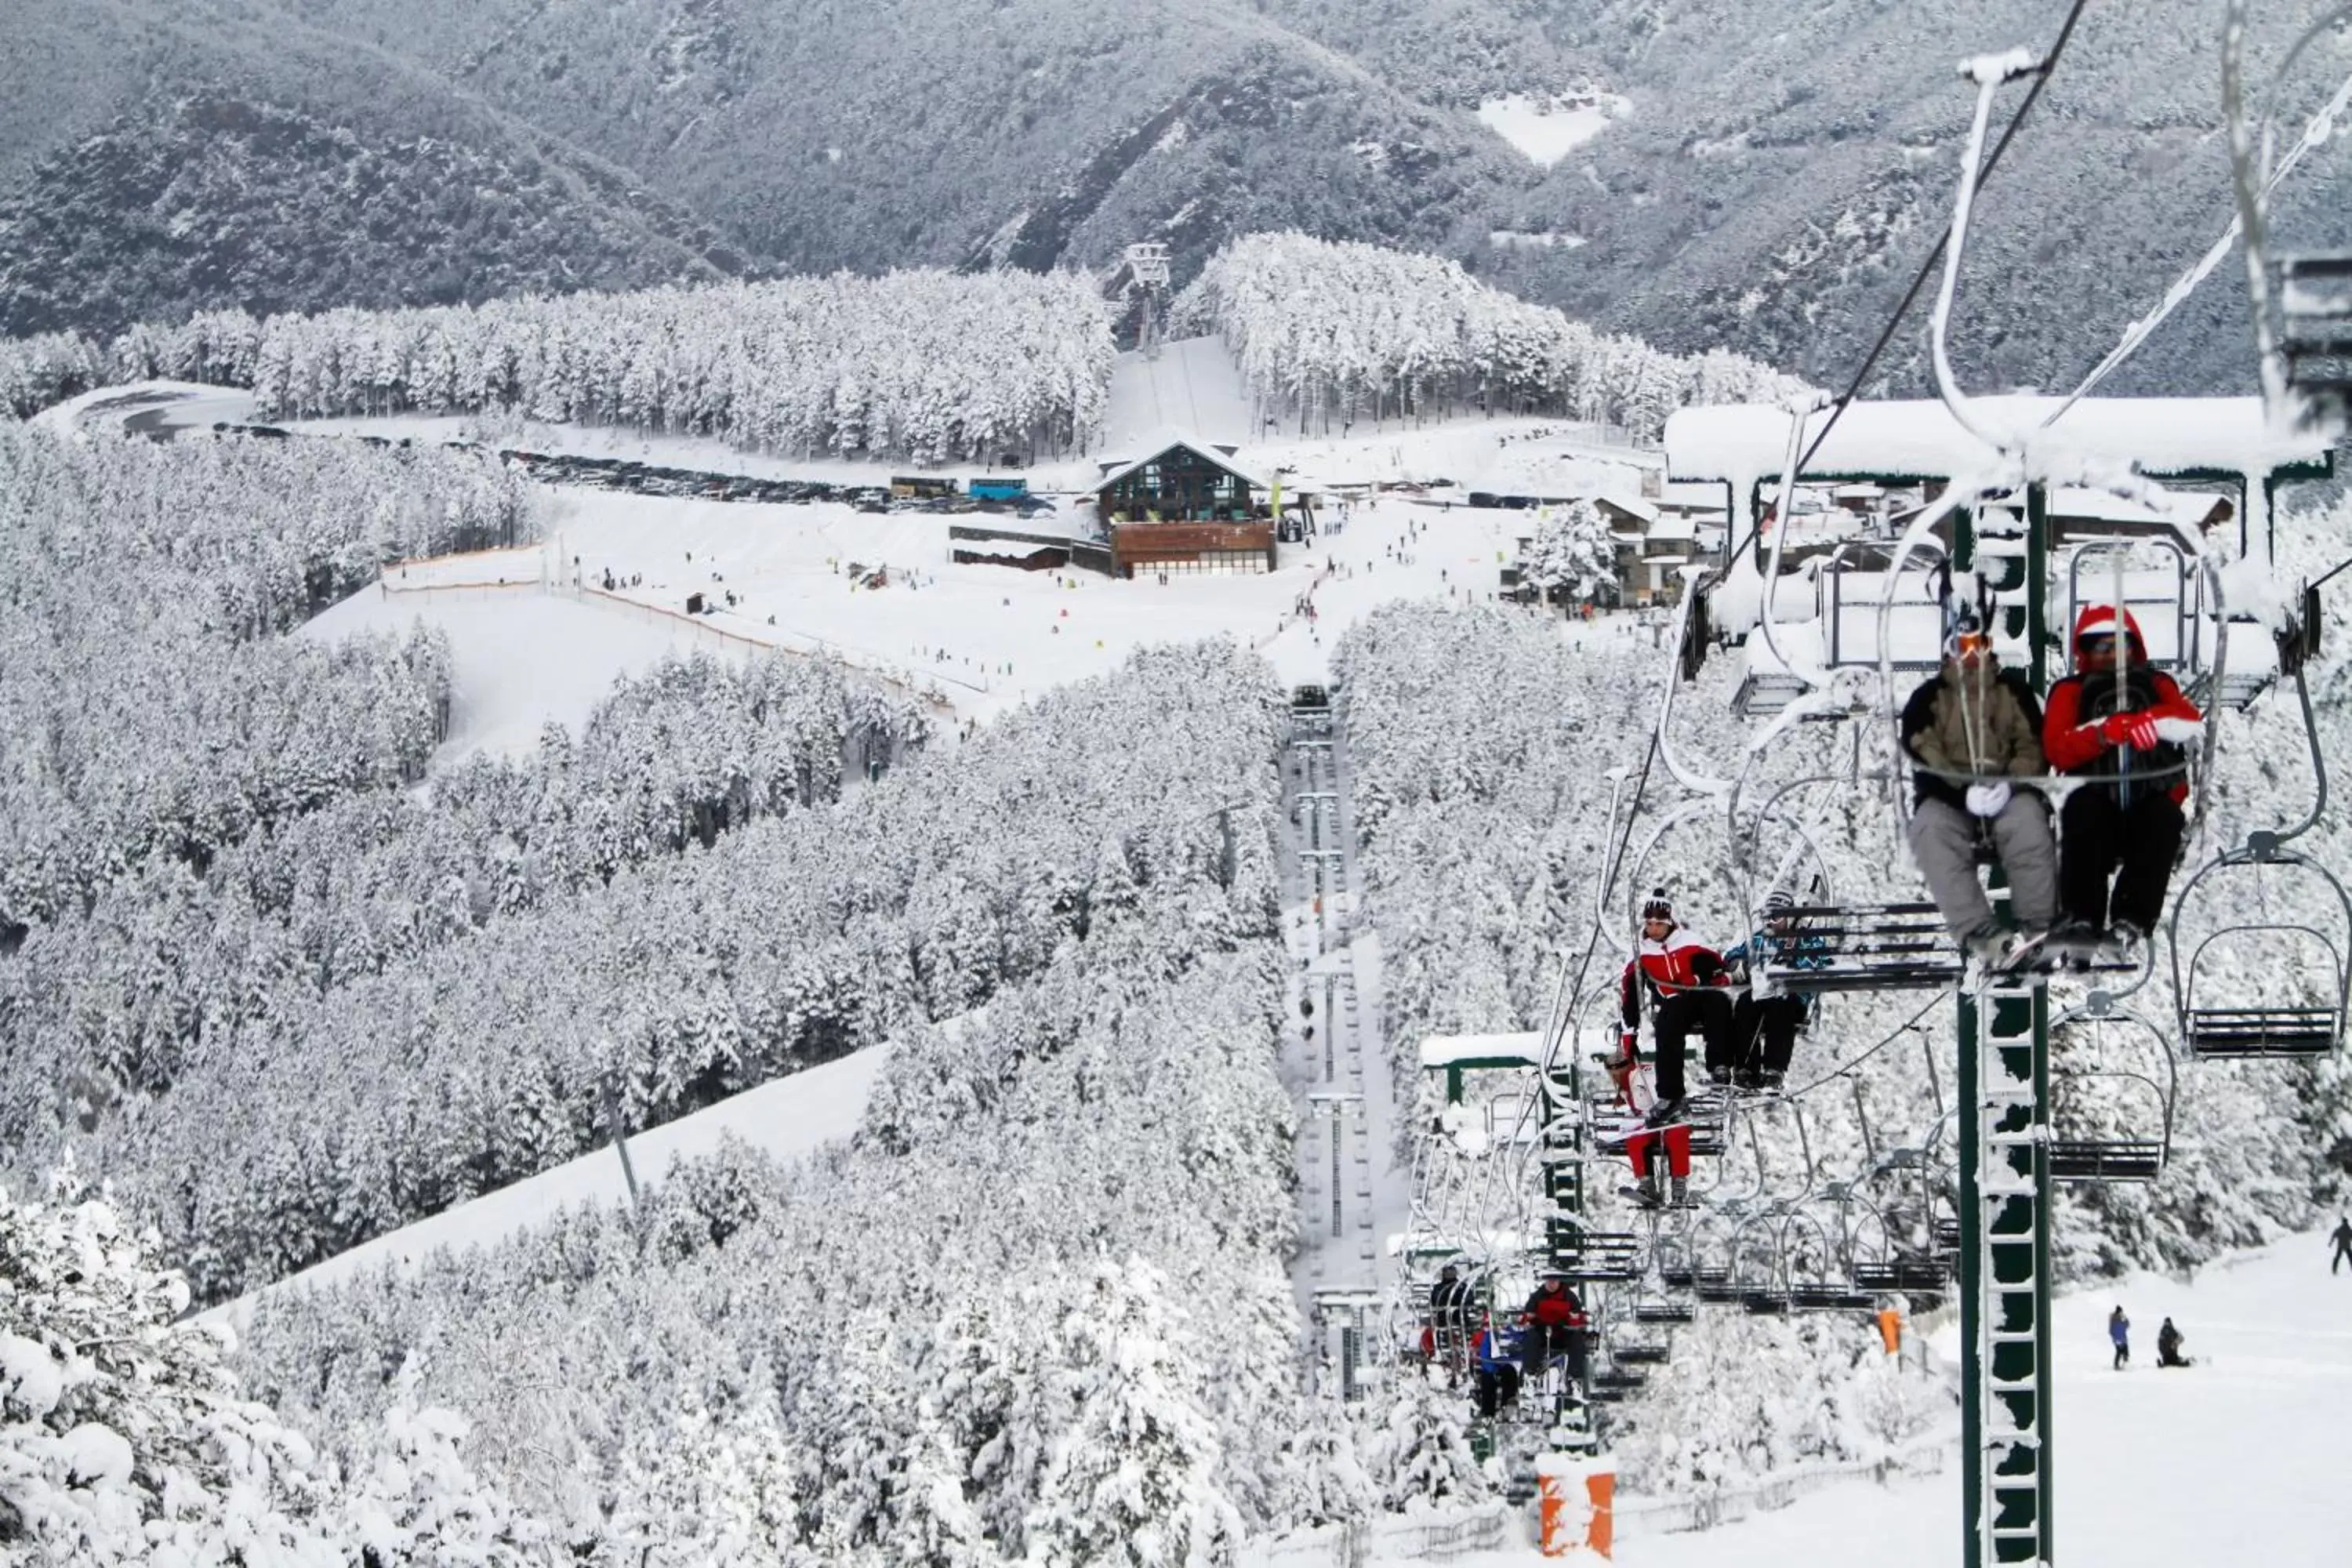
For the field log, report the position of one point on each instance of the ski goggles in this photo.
(2096, 642)
(1970, 645)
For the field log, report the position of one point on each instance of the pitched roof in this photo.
(1159, 445)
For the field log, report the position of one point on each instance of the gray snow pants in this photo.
(1943, 841)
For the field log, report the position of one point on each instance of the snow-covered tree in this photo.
(1132, 1479)
(1421, 1457)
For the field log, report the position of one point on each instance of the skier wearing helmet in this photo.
(2120, 725)
(1971, 729)
(1684, 979)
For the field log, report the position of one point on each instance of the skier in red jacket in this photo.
(1688, 982)
(2122, 726)
(1556, 1326)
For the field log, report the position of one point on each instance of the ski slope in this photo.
(786, 1119)
(2239, 1459)
(1192, 385)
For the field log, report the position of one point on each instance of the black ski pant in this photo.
(1766, 1032)
(1544, 1341)
(2342, 1256)
(1707, 1011)
(2098, 835)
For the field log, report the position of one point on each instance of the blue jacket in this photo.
(1797, 952)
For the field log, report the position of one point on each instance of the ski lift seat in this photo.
(1715, 1285)
(1668, 1313)
(1766, 693)
(1764, 1303)
(2220, 1033)
(1828, 1296)
(2106, 1159)
(1599, 1255)
(1909, 1275)
(1860, 947)
(1639, 1355)
(2315, 324)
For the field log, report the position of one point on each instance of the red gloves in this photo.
(2136, 731)
(2143, 732)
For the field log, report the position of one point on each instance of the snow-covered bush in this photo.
(1336, 332)
(124, 1439)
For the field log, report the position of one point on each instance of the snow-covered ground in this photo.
(522, 659)
(1546, 129)
(787, 1118)
(2239, 1459)
(1192, 385)
(983, 637)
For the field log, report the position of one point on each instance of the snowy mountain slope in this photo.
(211, 202)
(156, 157)
(1787, 170)
(1771, 183)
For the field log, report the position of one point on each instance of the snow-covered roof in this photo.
(1631, 504)
(1156, 446)
(1688, 495)
(1742, 442)
(2181, 508)
(1675, 530)
(1446, 1050)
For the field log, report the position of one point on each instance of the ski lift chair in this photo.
(1827, 944)
(1585, 1255)
(2219, 1022)
(2316, 332)
(2098, 1037)
(1809, 1265)
(1759, 1266)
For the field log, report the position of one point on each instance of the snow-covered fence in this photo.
(1767, 1494)
(1436, 1536)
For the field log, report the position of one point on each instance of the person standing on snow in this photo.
(1683, 978)
(2119, 724)
(2119, 1333)
(1971, 730)
(2342, 1240)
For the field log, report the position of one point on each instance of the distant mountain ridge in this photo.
(1776, 175)
(211, 201)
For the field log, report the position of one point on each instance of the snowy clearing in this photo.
(1546, 129)
(524, 659)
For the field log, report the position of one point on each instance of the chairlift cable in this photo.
(1928, 266)
(2314, 134)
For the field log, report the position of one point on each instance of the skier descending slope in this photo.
(2342, 1240)
(1684, 979)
